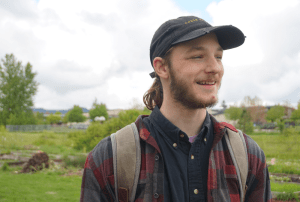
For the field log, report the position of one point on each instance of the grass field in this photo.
(52, 185)
(41, 187)
(279, 146)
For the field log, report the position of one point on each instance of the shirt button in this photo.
(192, 157)
(156, 157)
(156, 195)
(205, 139)
(182, 135)
(196, 191)
(175, 145)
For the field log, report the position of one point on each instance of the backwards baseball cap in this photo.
(187, 28)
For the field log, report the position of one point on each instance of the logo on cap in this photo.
(193, 20)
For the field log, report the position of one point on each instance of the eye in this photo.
(197, 57)
(219, 57)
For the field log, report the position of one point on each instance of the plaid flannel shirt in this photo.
(222, 183)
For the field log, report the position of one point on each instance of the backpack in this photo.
(127, 160)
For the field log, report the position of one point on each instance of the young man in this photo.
(184, 153)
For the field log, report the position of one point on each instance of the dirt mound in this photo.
(37, 162)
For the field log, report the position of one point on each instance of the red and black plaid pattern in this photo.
(222, 183)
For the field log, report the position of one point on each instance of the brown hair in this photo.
(154, 96)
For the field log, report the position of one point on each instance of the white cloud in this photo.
(267, 64)
(86, 49)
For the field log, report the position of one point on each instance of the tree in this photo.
(296, 114)
(17, 88)
(248, 101)
(40, 119)
(276, 112)
(22, 118)
(98, 110)
(257, 114)
(245, 122)
(233, 113)
(54, 118)
(75, 114)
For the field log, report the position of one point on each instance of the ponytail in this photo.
(154, 96)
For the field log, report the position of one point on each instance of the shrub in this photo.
(77, 161)
(5, 167)
(98, 131)
(46, 139)
(287, 197)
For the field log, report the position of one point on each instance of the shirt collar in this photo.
(169, 130)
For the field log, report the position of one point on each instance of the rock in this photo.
(37, 162)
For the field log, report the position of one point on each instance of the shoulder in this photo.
(254, 151)
(102, 154)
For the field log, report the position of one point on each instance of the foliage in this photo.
(22, 118)
(98, 110)
(268, 126)
(75, 114)
(296, 114)
(98, 131)
(257, 114)
(53, 118)
(74, 161)
(280, 179)
(281, 125)
(5, 167)
(17, 88)
(276, 112)
(245, 122)
(287, 196)
(40, 119)
(233, 113)
(65, 119)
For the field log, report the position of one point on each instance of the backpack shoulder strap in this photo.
(238, 152)
(126, 161)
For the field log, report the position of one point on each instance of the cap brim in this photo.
(228, 36)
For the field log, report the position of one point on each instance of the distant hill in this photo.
(52, 111)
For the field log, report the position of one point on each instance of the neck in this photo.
(188, 120)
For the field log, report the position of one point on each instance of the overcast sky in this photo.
(87, 49)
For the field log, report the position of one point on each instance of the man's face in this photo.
(196, 71)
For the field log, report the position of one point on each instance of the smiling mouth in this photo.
(206, 83)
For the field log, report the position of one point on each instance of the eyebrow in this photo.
(202, 48)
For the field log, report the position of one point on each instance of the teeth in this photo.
(207, 83)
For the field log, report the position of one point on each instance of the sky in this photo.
(84, 50)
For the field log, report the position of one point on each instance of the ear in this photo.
(161, 68)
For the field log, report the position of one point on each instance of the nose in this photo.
(213, 65)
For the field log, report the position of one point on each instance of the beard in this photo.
(181, 93)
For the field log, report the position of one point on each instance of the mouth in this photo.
(206, 83)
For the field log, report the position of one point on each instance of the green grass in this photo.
(46, 141)
(41, 186)
(287, 166)
(279, 146)
(285, 187)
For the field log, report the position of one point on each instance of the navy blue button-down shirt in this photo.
(185, 163)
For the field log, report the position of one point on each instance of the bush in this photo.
(287, 197)
(97, 131)
(46, 139)
(77, 161)
(5, 167)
